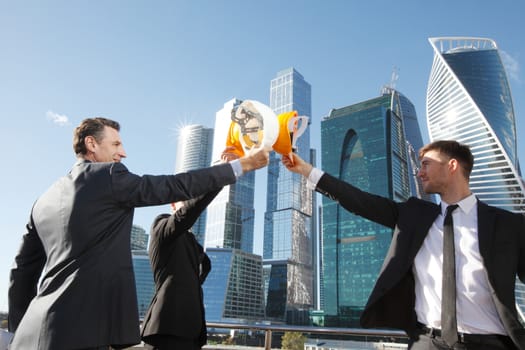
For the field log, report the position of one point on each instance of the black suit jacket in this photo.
(177, 307)
(79, 235)
(391, 303)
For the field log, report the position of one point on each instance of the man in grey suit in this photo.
(78, 235)
(489, 254)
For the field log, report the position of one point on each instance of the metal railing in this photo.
(268, 329)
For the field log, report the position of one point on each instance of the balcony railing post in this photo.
(268, 339)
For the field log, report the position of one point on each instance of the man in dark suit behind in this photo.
(490, 253)
(78, 235)
(175, 318)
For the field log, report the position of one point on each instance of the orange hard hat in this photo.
(233, 139)
(291, 127)
(253, 124)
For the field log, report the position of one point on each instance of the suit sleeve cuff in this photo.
(313, 178)
(237, 168)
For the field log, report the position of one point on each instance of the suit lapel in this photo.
(409, 234)
(426, 221)
(485, 230)
(408, 237)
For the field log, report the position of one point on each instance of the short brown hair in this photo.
(91, 127)
(452, 149)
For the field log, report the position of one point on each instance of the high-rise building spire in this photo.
(289, 226)
(469, 100)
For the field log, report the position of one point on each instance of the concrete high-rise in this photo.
(469, 100)
(194, 147)
(370, 145)
(289, 226)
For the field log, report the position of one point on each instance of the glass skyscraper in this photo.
(288, 223)
(139, 238)
(369, 145)
(233, 291)
(144, 283)
(194, 148)
(231, 215)
(469, 100)
(143, 280)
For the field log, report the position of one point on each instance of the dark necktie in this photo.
(449, 327)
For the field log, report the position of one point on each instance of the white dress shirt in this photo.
(237, 168)
(476, 312)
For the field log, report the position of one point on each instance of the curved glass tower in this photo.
(469, 100)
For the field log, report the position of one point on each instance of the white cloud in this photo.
(511, 66)
(58, 119)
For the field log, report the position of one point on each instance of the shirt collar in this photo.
(466, 204)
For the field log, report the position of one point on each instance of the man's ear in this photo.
(453, 165)
(90, 143)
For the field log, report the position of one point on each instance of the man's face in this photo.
(110, 148)
(434, 172)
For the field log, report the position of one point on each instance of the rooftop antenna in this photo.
(387, 88)
(394, 77)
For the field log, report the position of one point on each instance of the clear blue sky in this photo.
(157, 65)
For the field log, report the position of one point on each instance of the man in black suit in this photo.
(490, 253)
(78, 235)
(175, 318)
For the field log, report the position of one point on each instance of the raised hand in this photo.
(229, 154)
(296, 164)
(255, 158)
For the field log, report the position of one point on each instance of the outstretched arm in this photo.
(188, 211)
(191, 209)
(376, 208)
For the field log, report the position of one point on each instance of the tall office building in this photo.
(288, 225)
(144, 284)
(368, 145)
(139, 238)
(469, 100)
(233, 291)
(194, 147)
(231, 215)
(143, 280)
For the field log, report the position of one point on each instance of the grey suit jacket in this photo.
(79, 236)
(391, 302)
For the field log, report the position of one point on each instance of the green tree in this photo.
(3, 319)
(229, 340)
(293, 341)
